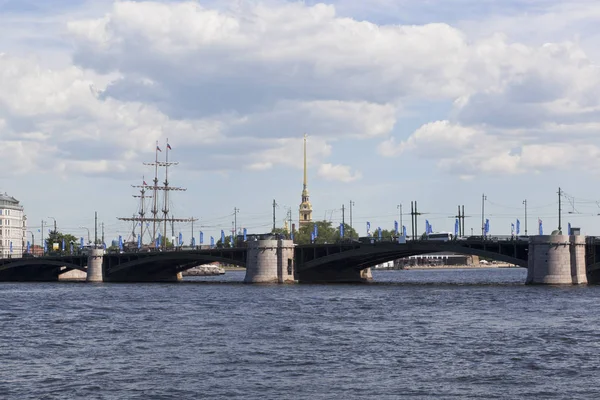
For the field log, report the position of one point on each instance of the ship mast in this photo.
(156, 220)
(165, 209)
(155, 192)
(142, 210)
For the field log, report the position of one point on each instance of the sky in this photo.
(438, 101)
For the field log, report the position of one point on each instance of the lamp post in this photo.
(88, 231)
(399, 207)
(483, 199)
(351, 204)
(55, 231)
(32, 242)
(525, 204)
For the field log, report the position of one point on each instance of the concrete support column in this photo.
(262, 261)
(556, 260)
(270, 261)
(285, 261)
(95, 270)
(578, 270)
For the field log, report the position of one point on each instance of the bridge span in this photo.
(554, 260)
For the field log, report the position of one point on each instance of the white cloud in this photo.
(338, 173)
(243, 83)
(470, 151)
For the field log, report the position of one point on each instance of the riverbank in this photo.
(233, 268)
(204, 270)
(425, 267)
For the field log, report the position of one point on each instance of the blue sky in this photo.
(433, 101)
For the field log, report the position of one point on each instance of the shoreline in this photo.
(425, 267)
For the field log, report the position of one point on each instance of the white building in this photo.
(13, 227)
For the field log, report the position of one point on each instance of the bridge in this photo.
(280, 260)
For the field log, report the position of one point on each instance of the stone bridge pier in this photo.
(556, 260)
(95, 269)
(270, 261)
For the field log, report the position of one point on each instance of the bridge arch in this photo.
(162, 266)
(32, 262)
(371, 255)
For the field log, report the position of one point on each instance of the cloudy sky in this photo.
(437, 101)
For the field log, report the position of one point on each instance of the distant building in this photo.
(440, 258)
(305, 207)
(13, 227)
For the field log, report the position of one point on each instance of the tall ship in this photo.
(151, 222)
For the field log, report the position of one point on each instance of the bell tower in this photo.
(305, 206)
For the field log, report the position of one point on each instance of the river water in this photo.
(412, 334)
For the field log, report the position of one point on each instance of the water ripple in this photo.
(462, 334)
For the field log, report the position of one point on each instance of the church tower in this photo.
(305, 206)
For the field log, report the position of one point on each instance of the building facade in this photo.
(305, 216)
(13, 227)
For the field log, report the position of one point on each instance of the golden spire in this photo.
(305, 180)
(305, 206)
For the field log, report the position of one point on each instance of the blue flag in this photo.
(10, 247)
(212, 242)
(139, 241)
(368, 228)
(456, 227)
(231, 240)
(245, 234)
(341, 230)
(379, 232)
(120, 243)
(159, 240)
(81, 243)
(157, 243)
(396, 227)
(180, 239)
(28, 247)
(487, 227)
(518, 227)
(63, 244)
(316, 232)
(222, 236)
(569, 229)
(404, 230)
(512, 229)
(427, 227)
(45, 247)
(312, 237)
(201, 237)
(541, 228)
(193, 241)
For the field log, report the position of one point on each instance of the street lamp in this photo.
(55, 231)
(88, 231)
(32, 242)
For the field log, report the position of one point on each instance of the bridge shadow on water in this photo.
(406, 278)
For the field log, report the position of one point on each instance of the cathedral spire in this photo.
(305, 206)
(305, 180)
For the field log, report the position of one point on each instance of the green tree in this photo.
(220, 244)
(57, 237)
(325, 233)
(349, 233)
(280, 231)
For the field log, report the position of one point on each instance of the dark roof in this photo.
(5, 198)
